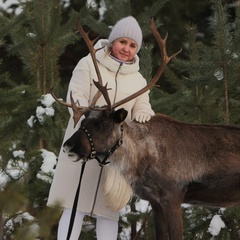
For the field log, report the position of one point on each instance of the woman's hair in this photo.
(108, 49)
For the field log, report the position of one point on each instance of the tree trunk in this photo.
(133, 224)
(233, 232)
(1, 225)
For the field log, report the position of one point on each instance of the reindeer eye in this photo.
(104, 125)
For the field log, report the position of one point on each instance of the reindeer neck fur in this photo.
(128, 157)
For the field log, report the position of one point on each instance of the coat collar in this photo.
(111, 64)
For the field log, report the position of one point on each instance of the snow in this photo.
(45, 109)
(47, 168)
(3, 179)
(47, 100)
(15, 169)
(40, 111)
(216, 225)
(33, 229)
(6, 5)
(49, 111)
(218, 74)
(142, 206)
(31, 121)
(21, 216)
(49, 161)
(19, 153)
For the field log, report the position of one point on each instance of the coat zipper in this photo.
(115, 94)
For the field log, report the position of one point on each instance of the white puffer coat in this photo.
(123, 80)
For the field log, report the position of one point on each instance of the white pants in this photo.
(106, 229)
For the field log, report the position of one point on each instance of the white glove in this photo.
(142, 117)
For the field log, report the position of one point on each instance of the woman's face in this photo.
(124, 49)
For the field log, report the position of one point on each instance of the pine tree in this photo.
(204, 69)
(30, 125)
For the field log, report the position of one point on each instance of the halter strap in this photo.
(96, 155)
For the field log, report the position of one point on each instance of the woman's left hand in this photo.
(142, 117)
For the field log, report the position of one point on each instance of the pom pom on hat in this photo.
(127, 27)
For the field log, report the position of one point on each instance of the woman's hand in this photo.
(142, 117)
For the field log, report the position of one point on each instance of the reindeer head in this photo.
(102, 124)
(99, 133)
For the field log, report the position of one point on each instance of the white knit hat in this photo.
(127, 27)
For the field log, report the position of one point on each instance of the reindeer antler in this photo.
(79, 111)
(165, 60)
(92, 50)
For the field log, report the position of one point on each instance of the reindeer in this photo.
(167, 162)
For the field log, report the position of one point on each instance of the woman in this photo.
(102, 198)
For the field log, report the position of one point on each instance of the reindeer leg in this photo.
(174, 221)
(161, 228)
(171, 201)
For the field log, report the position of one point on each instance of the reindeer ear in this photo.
(120, 115)
(86, 114)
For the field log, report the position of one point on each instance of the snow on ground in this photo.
(216, 225)
(142, 206)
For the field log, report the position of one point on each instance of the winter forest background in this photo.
(40, 46)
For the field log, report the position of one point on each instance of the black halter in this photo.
(96, 155)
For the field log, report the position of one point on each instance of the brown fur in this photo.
(168, 163)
